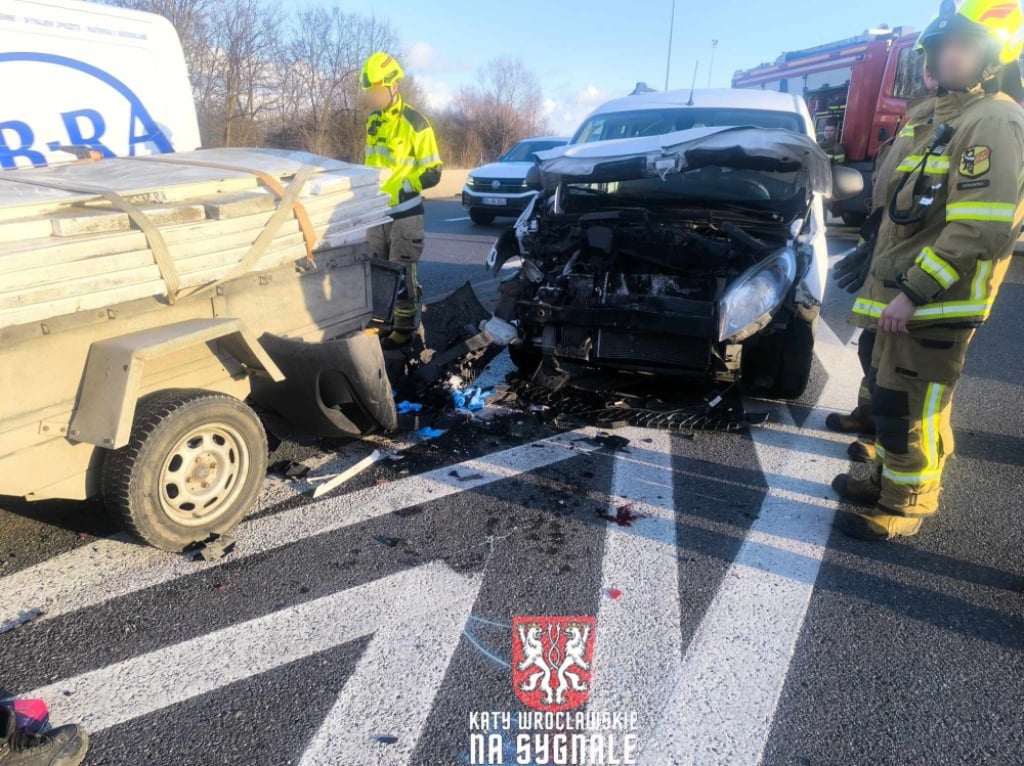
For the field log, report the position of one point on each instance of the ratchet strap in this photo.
(154, 238)
(299, 210)
(288, 205)
(284, 210)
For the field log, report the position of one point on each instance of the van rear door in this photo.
(86, 74)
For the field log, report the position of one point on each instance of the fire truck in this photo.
(861, 83)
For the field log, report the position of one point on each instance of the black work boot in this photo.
(862, 451)
(862, 492)
(853, 423)
(64, 746)
(397, 339)
(875, 525)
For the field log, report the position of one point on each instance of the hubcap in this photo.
(204, 474)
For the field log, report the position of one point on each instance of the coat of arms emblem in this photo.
(552, 661)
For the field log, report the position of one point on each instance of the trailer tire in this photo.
(193, 466)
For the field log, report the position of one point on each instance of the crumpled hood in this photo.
(760, 149)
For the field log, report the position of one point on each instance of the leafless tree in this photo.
(246, 36)
(262, 75)
(487, 119)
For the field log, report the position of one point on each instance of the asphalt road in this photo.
(374, 626)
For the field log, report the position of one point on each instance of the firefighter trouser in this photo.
(865, 347)
(911, 398)
(401, 241)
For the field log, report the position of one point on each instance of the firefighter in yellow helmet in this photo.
(401, 140)
(952, 211)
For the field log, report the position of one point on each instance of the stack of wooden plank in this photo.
(66, 247)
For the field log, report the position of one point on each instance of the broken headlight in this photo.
(748, 303)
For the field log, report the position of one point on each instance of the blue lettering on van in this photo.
(97, 127)
(21, 146)
(142, 129)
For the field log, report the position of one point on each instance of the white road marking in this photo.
(638, 635)
(461, 218)
(415, 617)
(723, 704)
(114, 567)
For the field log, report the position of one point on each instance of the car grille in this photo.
(505, 186)
(673, 351)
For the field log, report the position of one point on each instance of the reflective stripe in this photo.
(980, 211)
(954, 310)
(868, 307)
(979, 287)
(938, 269)
(906, 132)
(406, 205)
(935, 165)
(932, 311)
(902, 477)
(431, 160)
(930, 414)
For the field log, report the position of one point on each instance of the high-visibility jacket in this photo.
(951, 262)
(400, 138)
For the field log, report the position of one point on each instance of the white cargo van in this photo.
(90, 75)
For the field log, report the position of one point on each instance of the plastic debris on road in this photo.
(426, 433)
(289, 469)
(405, 408)
(471, 399)
(336, 481)
(501, 332)
(466, 477)
(214, 548)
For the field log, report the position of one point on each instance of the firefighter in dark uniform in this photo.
(952, 212)
(829, 142)
(851, 272)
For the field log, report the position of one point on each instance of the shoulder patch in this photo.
(975, 161)
(418, 121)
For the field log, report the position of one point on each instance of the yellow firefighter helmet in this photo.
(380, 70)
(1001, 22)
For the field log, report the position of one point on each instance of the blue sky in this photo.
(587, 52)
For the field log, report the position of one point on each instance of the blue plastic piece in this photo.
(472, 399)
(429, 433)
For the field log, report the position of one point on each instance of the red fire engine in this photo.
(863, 83)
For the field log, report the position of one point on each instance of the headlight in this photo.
(470, 181)
(749, 302)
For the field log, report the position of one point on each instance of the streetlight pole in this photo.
(671, 28)
(714, 44)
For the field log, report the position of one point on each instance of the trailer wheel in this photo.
(193, 466)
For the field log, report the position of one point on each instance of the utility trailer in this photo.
(137, 323)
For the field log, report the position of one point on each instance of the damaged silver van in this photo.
(698, 252)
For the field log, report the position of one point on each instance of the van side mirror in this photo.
(846, 182)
